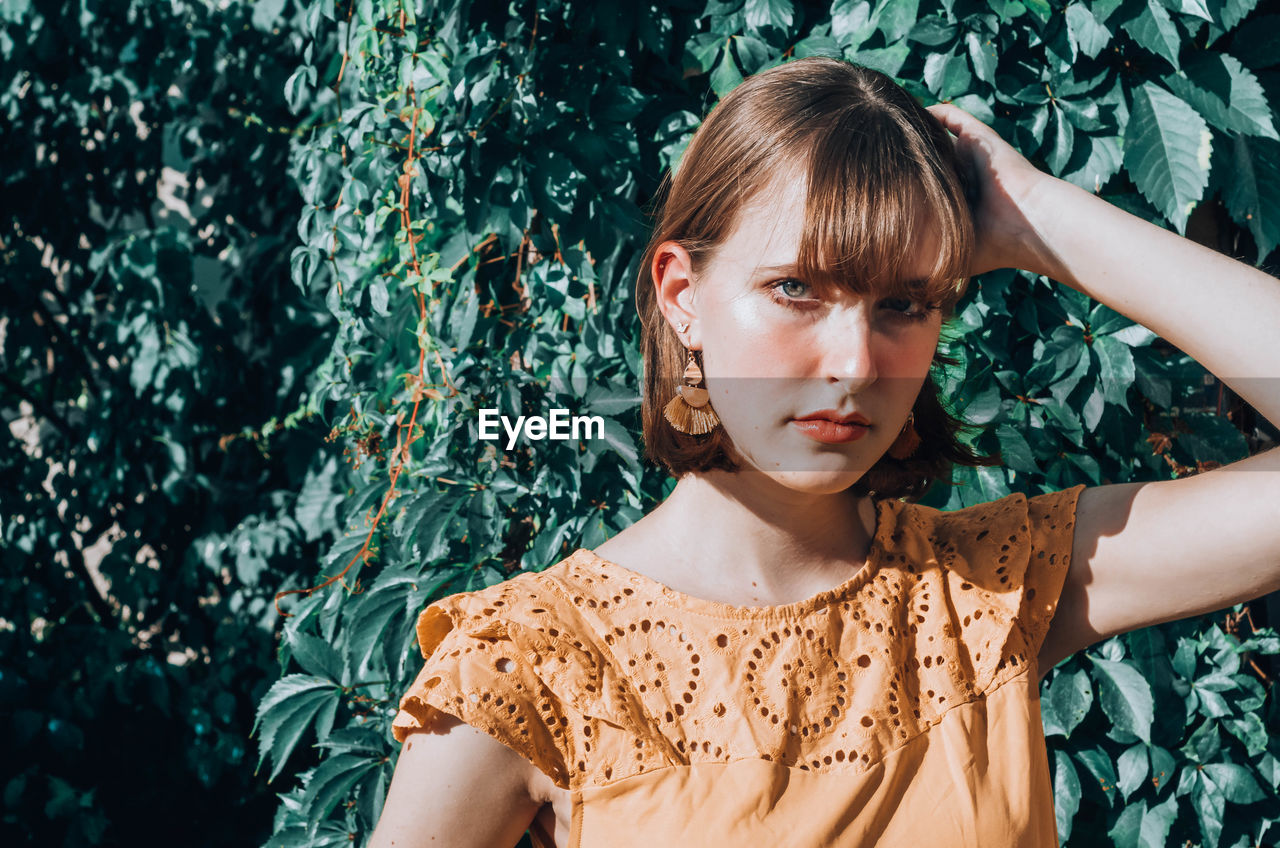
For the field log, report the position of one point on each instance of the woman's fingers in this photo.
(961, 123)
(952, 117)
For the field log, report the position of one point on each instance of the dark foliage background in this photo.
(264, 262)
(161, 475)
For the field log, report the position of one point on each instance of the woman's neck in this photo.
(744, 539)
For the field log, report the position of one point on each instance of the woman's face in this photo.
(776, 348)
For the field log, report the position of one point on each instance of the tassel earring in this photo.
(689, 410)
(908, 439)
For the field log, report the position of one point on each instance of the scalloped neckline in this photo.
(813, 603)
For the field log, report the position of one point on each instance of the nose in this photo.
(850, 355)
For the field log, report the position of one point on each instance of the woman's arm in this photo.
(456, 786)
(1145, 553)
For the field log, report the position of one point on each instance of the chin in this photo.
(825, 475)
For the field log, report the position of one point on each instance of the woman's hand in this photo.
(1007, 223)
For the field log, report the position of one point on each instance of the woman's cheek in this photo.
(746, 340)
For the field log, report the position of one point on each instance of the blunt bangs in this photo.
(876, 198)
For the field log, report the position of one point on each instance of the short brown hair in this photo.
(873, 157)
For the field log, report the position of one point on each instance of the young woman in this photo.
(789, 650)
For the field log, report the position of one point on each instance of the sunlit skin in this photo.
(775, 347)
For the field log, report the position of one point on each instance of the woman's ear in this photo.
(673, 281)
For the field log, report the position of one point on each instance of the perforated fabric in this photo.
(829, 721)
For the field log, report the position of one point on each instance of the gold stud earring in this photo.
(690, 411)
(908, 439)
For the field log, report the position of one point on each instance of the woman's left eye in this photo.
(792, 291)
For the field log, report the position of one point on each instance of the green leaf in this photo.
(946, 74)
(1094, 407)
(1269, 768)
(617, 438)
(1115, 361)
(317, 503)
(983, 407)
(753, 54)
(299, 86)
(1071, 696)
(887, 60)
(852, 23)
(976, 105)
(554, 181)
(1040, 8)
(1103, 9)
(1226, 93)
(982, 53)
(1154, 30)
(1253, 194)
(1212, 438)
(1063, 140)
(316, 656)
(1167, 148)
(1132, 769)
(1125, 696)
(1233, 12)
(726, 76)
(1195, 8)
(612, 399)
(1250, 730)
(1098, 158)
(1090, 36)
(1156, 824)
(378, 297)
(333, 780)
(1127, 831)
(1210, 805)
(769, 14)
(1235, 781)
(1015, 451)
(1098, 763)
(895, 18)
(934, 31)
(1205, 743)
(1066, 792)
(1162, 767)
(293, 704)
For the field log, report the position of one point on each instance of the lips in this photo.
(830, 427)
(832, 415)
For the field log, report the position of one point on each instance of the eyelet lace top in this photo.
(902, 705)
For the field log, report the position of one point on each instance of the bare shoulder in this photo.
(456, 785)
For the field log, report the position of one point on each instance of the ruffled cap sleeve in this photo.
(473, 670)
(1004, 564)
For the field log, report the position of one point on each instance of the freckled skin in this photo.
(766, 362)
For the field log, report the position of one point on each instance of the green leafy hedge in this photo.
(474, 208)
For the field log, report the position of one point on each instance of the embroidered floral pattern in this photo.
(596, 673)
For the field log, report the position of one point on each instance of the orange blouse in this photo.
(900, 707)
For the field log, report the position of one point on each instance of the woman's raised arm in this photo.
(1145, 553)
